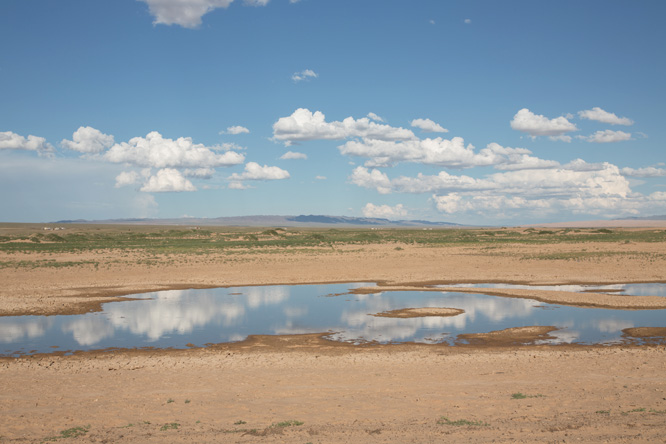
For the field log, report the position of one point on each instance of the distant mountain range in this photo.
(662, 217)
(272, 221)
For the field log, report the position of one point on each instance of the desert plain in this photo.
(501, 387)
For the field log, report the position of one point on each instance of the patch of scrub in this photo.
(419, 312)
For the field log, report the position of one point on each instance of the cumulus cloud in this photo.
(365, 178)
(13, 141)
(608, 136)
(126, 178)
(199, 173)
(254, 171)
(185, 13)
(643, 172)
(256, 2)
(375, 117)
(304, 125)
(293, 155)
(384, 211)
(237, 130)
(158, 152)
(600, 115)
(306, 74)
(239, 186)
(167, 180)
(586, 190)
(88, 140)
(442, 152)
(539, 125)
(320, 177)
(428, 126)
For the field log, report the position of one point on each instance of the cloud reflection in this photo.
(13, 331)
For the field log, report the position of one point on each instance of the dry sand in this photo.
(341, 393)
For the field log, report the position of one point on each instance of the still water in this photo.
(197, 317)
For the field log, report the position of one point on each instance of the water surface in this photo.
(177, 318)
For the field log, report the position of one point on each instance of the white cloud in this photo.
(254, 171)
(554, 183)
(643, 172)
(200, 173)
(293, 155)
(306, 74)
(167, 180)
(443, 152)
(320, 177)
(607, 136)
(428, 126)
(539, 125)
(238, 186)
(384, 211)
(256, 2)
(375, 117)
(126, 178)
(13, 141)
(365, 178)
(88, 140)
(186, 13)
(237, 130)
(432, 22)
(600, 115)
(468, 21)
(305, 125)
(158, 152)
(227, 146)
(589, 191)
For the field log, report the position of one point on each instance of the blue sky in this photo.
(479, 112)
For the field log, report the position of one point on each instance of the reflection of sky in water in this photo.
(178, 317)
(650, 289)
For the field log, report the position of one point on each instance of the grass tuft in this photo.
(524, 396)
(460, 422)
(290, 423)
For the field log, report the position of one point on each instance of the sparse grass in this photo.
(169, 426)
(187, 401)
(461, 422)
(74, 432)
(169, 401)
(603, 412)
(240, 422)
(290, 423)
(524, 396)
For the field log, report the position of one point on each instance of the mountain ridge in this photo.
(311, 220)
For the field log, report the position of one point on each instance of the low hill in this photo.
(273, 221)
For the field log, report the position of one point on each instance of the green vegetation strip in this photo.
(460, 422)
(220, 239)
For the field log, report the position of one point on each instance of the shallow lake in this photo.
(177, 318)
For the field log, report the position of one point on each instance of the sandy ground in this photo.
(340, 393)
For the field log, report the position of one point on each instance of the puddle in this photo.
(179, 318)
(651, 289)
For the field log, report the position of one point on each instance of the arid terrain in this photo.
(302, 388)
